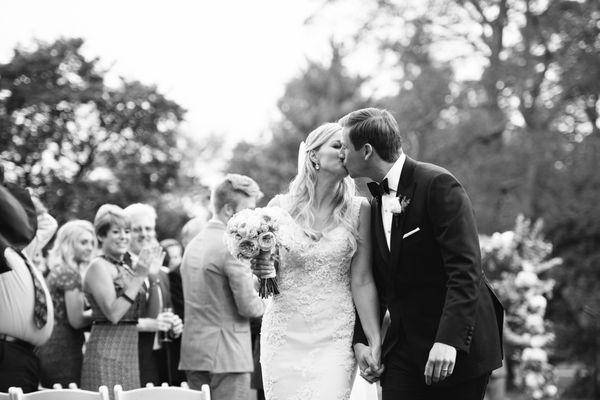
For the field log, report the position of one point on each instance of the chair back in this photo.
(60, 394)
(161, 393)
(4, 396)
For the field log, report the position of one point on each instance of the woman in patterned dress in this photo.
(113, 287)
(61, 356)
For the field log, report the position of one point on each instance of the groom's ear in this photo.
(368, 151)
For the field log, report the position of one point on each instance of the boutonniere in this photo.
(399, 205)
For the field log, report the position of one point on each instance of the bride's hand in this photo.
(262, 265)
(370, 368)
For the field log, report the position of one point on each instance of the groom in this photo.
(446, 324)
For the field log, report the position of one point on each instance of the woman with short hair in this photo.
(112, 286)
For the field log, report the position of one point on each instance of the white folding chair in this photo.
(161, 393)
(60, 394)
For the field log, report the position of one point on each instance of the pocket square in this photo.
(407, 234)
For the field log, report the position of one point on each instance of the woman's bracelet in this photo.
(127, 298)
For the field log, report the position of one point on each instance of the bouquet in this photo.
(255, 234)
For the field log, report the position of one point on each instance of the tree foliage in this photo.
(78, 142)
(321, 93)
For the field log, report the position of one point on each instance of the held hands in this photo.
(149, 261)
(369, 362)
(167, 321)
(441, 362)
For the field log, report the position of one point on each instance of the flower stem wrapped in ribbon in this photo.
(253, 234)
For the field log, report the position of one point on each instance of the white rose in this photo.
(535, 323)
(537, 394)
(531, 380)
(526, 279)
(551, 390)
(534, 355)
(537, 303)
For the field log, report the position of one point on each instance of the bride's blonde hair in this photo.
(302, 189)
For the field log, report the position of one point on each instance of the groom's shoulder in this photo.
(426, 170)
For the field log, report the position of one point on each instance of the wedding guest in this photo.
(39, 261)
(191, 229)
(61, 356)
(219, 300)
(173, 251)
(173, 256)
(156, 316)
(27, 315)
(113, 287)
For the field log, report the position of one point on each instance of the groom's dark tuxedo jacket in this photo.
(431, 281)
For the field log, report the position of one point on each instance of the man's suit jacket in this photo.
(219, 301)
(431, 281)
(152, 368)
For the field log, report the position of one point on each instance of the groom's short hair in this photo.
(229, 190)
(378, 128)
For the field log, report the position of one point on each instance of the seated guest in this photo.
(61, 356)
(113, 288)
(26, 312)
(155, 316)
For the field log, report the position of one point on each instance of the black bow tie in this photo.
(379, 189)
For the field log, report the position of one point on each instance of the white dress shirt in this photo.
(388, 200)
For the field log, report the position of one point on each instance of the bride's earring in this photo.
(317, 166)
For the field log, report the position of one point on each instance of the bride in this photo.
(324, 272)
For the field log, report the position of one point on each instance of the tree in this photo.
(321, 93)
(523, 137)
(76, 141)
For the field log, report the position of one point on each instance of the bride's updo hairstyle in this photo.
(302, 188)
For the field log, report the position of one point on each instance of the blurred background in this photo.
(149, 101)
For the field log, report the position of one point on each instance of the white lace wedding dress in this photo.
(306, 338)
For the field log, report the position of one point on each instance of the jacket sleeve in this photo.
(240, 279)
(46, 228)
(455, 232)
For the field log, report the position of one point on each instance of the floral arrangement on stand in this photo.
(516, 262)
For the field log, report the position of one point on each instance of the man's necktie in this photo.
(379, 189)
(40, 306)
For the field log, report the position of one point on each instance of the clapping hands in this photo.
(168, 321)
(149, 260)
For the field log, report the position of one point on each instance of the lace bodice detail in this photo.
(315, 306)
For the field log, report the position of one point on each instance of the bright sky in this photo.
(226, 62)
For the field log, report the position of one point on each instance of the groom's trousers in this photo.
(403, 381)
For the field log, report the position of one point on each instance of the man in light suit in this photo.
(219, 299)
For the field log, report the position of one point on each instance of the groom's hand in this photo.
(440, 364)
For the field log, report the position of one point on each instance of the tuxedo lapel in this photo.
(378, 228)
(406, 190)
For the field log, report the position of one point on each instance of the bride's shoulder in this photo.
(279, 200)
(361, 202)
(360, 206)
